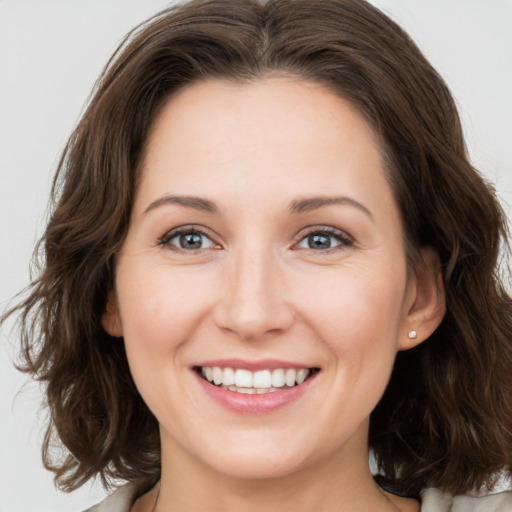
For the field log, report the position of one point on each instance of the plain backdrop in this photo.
(51, 52)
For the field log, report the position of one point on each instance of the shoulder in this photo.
(122, 499)
(434, 500)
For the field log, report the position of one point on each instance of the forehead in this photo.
(212, 109)
(263, 134)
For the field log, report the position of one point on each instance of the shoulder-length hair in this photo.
(445, 419)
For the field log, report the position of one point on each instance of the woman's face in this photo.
(265, 247)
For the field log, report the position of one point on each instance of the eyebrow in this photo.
(313, 203)
(195, 203)
(296, 207)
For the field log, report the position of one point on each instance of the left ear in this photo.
(425, 303)
(111, 320)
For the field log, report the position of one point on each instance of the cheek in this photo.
(357, 319)
(357, 315)
(159, 307)
(352, 300)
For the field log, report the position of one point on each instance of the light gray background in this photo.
(51, 52)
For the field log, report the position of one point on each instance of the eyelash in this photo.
(165, 241)
(343, 239)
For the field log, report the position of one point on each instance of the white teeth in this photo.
(228, 377)
(217, 375)
(301, 375)
(278, 378)
(247, 391)
(251, 391)
(290, 376)
(243, 379)
(260, 382)
(262, 379)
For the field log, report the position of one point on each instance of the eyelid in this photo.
(345, 239)
(342, 236)
(164, 240)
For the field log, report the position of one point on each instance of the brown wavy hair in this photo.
(445, 419)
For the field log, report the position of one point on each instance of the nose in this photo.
(254, 304)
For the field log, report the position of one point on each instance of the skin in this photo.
(257, 290)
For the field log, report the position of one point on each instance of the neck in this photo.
(340, 482)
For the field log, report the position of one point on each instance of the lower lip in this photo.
(254, 404)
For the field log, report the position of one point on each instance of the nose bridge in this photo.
(254, 302)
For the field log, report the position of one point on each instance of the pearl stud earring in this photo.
(412, 335)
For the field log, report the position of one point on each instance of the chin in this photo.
(261, 468)
(259, 460)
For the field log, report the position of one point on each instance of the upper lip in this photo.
(261, 364)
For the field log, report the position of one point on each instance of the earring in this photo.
(412, 335)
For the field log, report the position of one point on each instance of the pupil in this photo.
(319, 242)
(191, 241)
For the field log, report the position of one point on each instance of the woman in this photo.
(269, 254)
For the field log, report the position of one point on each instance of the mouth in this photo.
(261, 382)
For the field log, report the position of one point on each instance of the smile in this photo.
(258, 382)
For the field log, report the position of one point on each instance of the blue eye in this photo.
(324, 240)
(188, 240)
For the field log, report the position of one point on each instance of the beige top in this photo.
(433, 500)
